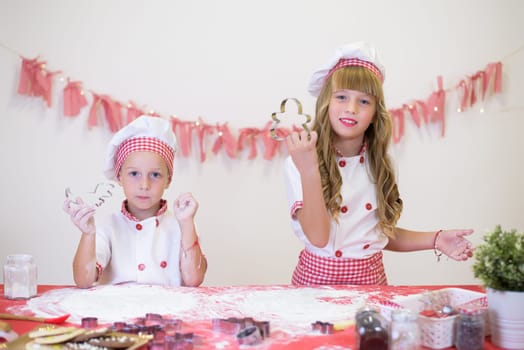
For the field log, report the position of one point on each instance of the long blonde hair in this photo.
(377, 136)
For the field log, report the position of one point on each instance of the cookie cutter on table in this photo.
(97, 197)
(89, 322)
(180, 341)
(163, 332)
(250, 336)
(273, 129)
(323, 327)
(234, 325)
(248, 331)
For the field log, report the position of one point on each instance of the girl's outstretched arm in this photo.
(450, 242)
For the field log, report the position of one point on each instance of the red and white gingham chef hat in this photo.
(355, 54)
(146, 133)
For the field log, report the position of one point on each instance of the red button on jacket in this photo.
(163, 264)
(138, 227)
(141, 267)
(338, 253)
(369, 206)
(342, 163)
(344, 209)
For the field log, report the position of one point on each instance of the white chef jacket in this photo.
(356, 235)
(139, 251)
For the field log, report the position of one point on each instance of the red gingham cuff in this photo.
(99, 270)
(296, 206)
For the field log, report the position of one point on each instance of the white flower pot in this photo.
(506, 318)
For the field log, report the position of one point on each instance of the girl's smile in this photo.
(350, 113)
(349, 122)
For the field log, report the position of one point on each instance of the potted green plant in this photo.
(499, 264)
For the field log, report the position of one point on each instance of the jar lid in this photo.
(404, 315)
(469, 310)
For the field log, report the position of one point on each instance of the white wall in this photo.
(235, 61)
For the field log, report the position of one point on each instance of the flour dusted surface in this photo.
(287, 308)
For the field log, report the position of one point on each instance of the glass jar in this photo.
(20, 277)
(371, 330)
(404, 330)
(470, 329)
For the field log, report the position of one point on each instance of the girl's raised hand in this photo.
(301, 148)
(82, 215)
(454, 244)
(185, 206)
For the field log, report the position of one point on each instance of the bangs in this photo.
(356, 78)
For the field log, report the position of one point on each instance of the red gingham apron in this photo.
(314, 269)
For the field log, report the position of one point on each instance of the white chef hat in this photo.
(146, 133)
(355, 54)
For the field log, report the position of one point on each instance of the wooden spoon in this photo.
(52, 320)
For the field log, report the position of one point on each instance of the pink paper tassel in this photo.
(271, 145)
(202, 129)
(133, 112)
(25, 83)
(29, 70)
(477, 81)
(74, 99)
(249, 134)
(463, 86)
(182, 130)
(436, 103)
(493, 72)
(112, 112)
(397, 116)
(35, 80)
(225, 139)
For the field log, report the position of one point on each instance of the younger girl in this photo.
(144, 242)
(342, 191)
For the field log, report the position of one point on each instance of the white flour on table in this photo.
(287, 309)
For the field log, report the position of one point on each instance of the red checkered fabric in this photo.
(313, 269)
(99, 270)
(149, 144)
(346, 62)
(127, 214)
(296, 206)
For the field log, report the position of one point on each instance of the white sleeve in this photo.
(293, 185)
(103, 243)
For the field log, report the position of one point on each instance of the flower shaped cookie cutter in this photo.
(97, 197)
(276, 121)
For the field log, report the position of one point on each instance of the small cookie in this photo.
(5, 327)
(95, 333)
(114, 342)
(60, 338)
(49, 330)
(35, 346)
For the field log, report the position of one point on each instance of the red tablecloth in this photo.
(343, 338)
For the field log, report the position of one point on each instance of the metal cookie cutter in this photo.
(102, 191)
(234, 325)
(276, 121)
(89, 322)
(250, 336)
(191, 338)
(323, 327)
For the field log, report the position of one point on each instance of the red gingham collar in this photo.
(127, 214)
(360, 153)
